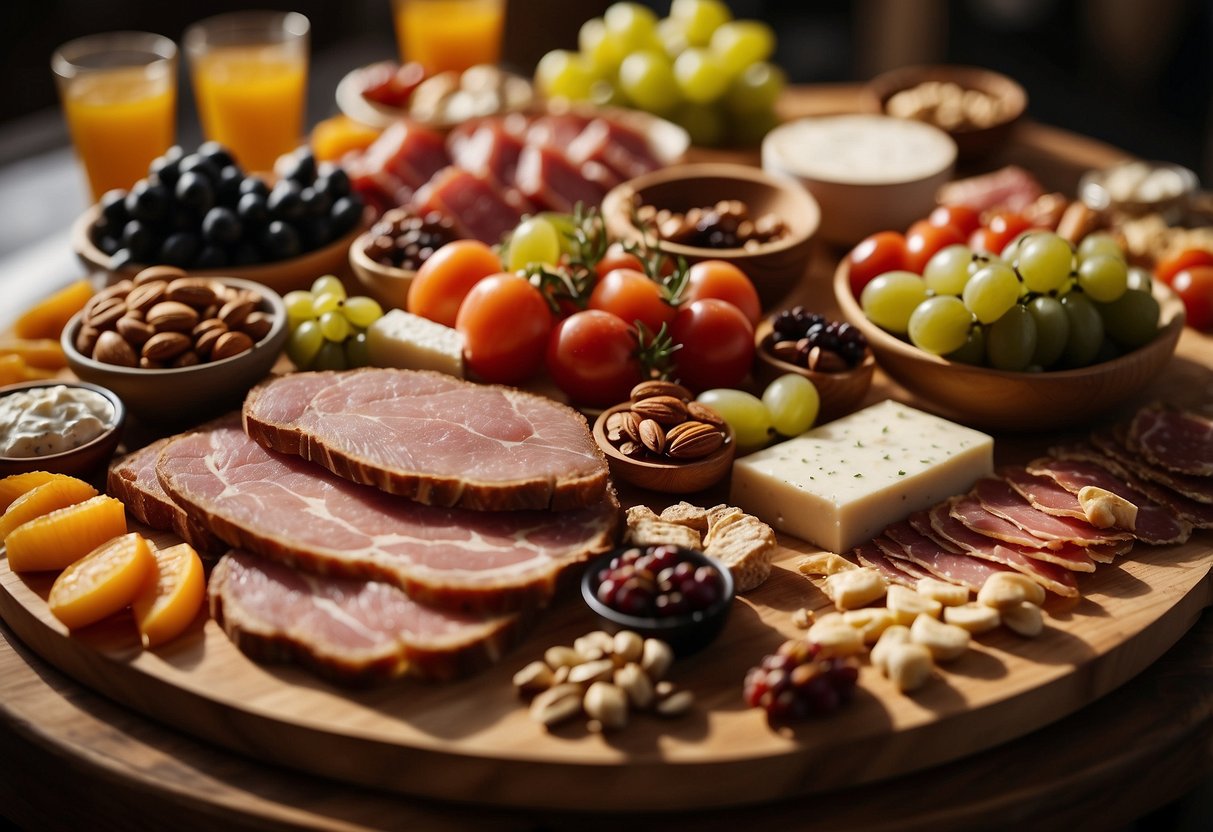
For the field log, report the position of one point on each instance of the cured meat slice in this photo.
(1043, 493)
(969, 511)
(1114, 443)
(285, 508)
(901, 541)
(895, 571)
(547, 177)
(477, 207)
(489, 150)
(1011, 188)
(411, 153)
(1000, 499)
(557, 130)
(347, 629)
(433, 438)
(951, 530)
(1117, 459)
(621, 149)
(1178, 440)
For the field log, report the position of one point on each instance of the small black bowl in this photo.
(686, 633)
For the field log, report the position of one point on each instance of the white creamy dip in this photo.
(50, 420)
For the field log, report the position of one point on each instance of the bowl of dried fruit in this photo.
(662, 440)
(177, 348)
(678, 595)
(385, 258)
(760, 223)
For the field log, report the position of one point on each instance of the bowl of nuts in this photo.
(662, 440)
(177, 348)
(760, 223)
(386, 258)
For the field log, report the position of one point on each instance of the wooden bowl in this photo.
(971, 143)
(840, 393)
(775, 268)
(282, 276)
(386, 284)
(80, 461)
(1008, 401)
(668, 477)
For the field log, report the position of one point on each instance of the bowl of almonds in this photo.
(663, 440)
(176, 347)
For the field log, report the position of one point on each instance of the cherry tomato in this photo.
(722, 280)
(591, 355)
(1168, 267)
(961, 217)
(924, 239)
(717, 344)
(617, 258)
(1195, 288)
(632, 296)
(505, 323)
(1002, 228)
(444, 280)
(882, 252)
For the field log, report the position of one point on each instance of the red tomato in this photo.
(630, 295)
(505, 323)
(1002, 228)
(445, 279)
(717, 344)
(722, 280)
(1168, 267)
(924, 239)
(880, 253)
(617, 258)
(1195, 288)
(961, 217)
(591, 355)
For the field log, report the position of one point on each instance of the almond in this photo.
(205, 345)
(117, 290)
(189, 358)
(648, 389)
(193, 291)
(165, 346)
(134, 330)
(257, 325)
(146, 295)
(229, 344)
(703, 413)
(234, 312)
(86, 339)
(693, 440)
(165, 273)
(652, 436)
(623, 425)
(105, 315)
(111, 348)
(664, 410)
(171, 316)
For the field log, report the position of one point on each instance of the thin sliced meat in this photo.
(621, 149)
(1178, 440)
(1000, 499)
(1114, 443)
(949, 529)
(347, 629)
(287, 509)
(1043, 493)
(488, 150)
(433, 438)
(969, 511)
(546, 176)
(477, 206)
(895, 571)
(944, 564)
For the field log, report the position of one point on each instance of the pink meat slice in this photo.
(408, 151)
(1043, 493)
(478, 207)
(621, 149)
(895, 571)
(1000, 499)
(1113, 457)
(287, 509)
(942, 563)
(488, 150)
(1178, 440)
(556, 130)
(546, 176)
(433, 438)
(951, 530)
(351, 630)
(1114, 443)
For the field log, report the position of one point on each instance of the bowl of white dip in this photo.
(64, 427)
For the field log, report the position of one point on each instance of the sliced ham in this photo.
(547, 177)
(901, 541)
(1178, 440)
(478, 208)
(433, 438)
(1114, 443)
(997, 497)
(901, 572)
(287, 509)
(347, 629)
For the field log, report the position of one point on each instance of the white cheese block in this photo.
(400, 339)
(841, 484)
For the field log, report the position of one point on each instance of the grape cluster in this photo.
(327, 328)
(658, 582)
(200, 210)
(405, 240)
(798, 682)
(789, 406)
(812, 329)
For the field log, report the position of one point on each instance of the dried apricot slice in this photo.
(171, 598)
(14, 486)
(47, 319)
(60, 492)
(55, 541)
(44, 353)
(103, 582)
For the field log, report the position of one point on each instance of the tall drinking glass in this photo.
(250, 79)
(119, 95)
(449, 34)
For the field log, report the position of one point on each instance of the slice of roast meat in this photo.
(1000, 499)
(285, 508)
(433, 438)
(347, 629)
(1178, 440)
(1114, 443)
(940, 562)
(895, 571)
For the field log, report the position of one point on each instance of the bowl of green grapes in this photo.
(1043, 335)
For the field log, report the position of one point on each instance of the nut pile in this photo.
(727, 224)
(404, 240)
(663, 422)
(809, 339)
(603, 678)
(163, 318)
(948, 105)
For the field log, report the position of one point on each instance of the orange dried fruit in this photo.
(103, 582)
(14, 486)
(55, 541)
(59, 492)
(172, 596)
(13, 370)
(48, 318)
(36, 352)
(334, 137)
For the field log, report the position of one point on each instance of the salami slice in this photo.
(943, 563)
(1178, 440)
(895, 571)
(1043, 493)
(1114, 443)
(1000, 499)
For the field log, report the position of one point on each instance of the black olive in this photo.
(245, 254)
(280, 241)
(227, 189)
(195, 190)
(251, 209)
(316, 232)
(211, 257)
(216, 154)
(179, 249)
(315, 203)
(201, 165)
(300, 167)
(334, 181)
(146, 201)
(347, 211)
(113, 206)
(284, 201)
(254, 185)
(108, 245)
(138, 237)
(221, 226)
(179, 218)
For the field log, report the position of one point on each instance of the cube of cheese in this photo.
(840, 484)
(400, 339)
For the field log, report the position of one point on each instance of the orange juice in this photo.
(251, 100)
(449, 34)
(120, 120)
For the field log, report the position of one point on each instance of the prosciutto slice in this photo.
(895, 571)
(284, 508)
(1114, 444)
(1000, 499)
(433, 438)
(901, 541)
(1043, 493)
(1178, 440)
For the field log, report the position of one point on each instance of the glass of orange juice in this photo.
(250, 79)
(119, 94)
(449, 34)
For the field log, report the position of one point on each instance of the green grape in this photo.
(303, 343)
(702, 121)
(699, 76)
(565, 229)
(327, 302)
(1044, 261)
(298, 306)
(647, 78)
(1132, 319)
(940, 325)
(331, 356)
(1011, 249)
(606, 94)
(889, 299)
(673, 37)
(1011, 340)
(991, 291)
(1052, 329)
(633, 24)
(793, 403)
(745, 413)
(602, 50)
(1097, 244)
(1086, 330)
(947, 272)
(361, 311)
(357, 354)
(1103, 278)
(741, 43)
(1139, 280)
(534, 241)
(334, 326)
(564, 74)
(755, 89)
(700, 18)
(973, 351)
(328, 285)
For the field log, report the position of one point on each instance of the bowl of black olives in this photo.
(201, 212)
